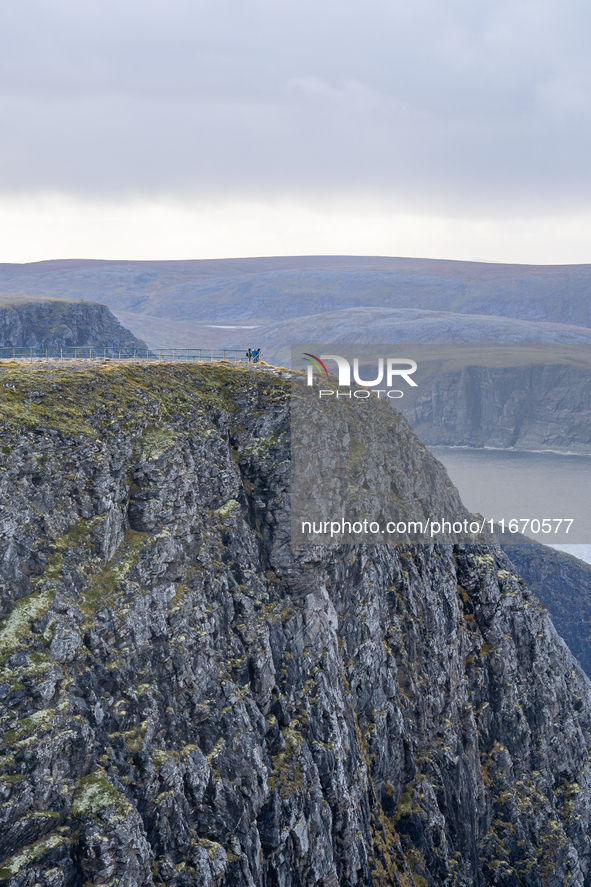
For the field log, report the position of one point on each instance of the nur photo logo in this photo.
(388, 370)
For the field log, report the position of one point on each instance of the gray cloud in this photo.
(456, 106)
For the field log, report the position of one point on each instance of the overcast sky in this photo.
(196, 128)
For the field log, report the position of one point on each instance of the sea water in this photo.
(516, 485)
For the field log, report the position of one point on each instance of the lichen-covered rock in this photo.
(185, 700)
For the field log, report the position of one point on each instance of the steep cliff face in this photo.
(534, 398)
(185, 700)
(27, 322)
(563, 584)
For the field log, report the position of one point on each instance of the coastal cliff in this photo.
(27, 321)
(531, 398)
(186, 700)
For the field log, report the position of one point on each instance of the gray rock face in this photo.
(27, 322)
(536, 399)
(563, 584)
(185, 700)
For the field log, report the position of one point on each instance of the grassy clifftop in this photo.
(68, 398)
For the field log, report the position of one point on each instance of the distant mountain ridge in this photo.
(277, 288)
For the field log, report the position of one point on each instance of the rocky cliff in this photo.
(27, 322)
(535, 397)
(185, 700)
(563, 584)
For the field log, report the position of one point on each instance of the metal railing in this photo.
(145, 355)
